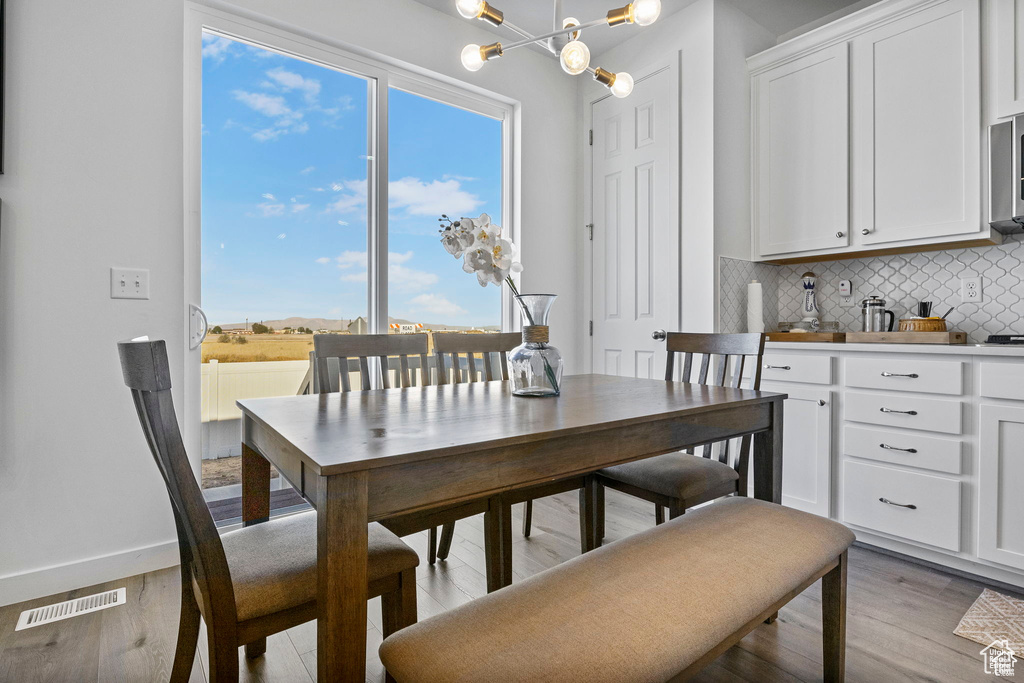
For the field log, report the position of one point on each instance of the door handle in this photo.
(899, 505)
(819, 401)
(777, 367)
(901, 412)
(912, 375)
(896, 448)
(659, 335)
(197, 326)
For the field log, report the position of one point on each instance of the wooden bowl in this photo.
(922, 325)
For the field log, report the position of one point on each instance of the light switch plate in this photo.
(129, 283)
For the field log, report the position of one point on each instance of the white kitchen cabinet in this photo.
(1000, 479)
(916, 115)
(867, 134)
(1007, 26)
(806, 448)
(801, 154)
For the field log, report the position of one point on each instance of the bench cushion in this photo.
(676, 475)
(273, 565)
(641, 609)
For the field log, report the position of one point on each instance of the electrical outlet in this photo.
(846, 293)
(971, 291)
(129, 283)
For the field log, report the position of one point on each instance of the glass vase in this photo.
(535, 367)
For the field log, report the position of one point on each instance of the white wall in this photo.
(94, 178)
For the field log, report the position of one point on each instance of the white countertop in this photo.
(924, 349)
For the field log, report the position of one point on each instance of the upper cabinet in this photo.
(1007, 27)
(867, 134)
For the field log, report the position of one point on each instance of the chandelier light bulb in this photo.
(622, 85)
(575, 57)
(569, 22)
(470, 9)
(472, 59)
(642, 12)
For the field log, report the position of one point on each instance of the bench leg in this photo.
(659, 514)
(527, 517)
(772, 619)
(432, 546)
(833, 622)
(676, 509)
(588, 515)
(445, 545)
(599, 511)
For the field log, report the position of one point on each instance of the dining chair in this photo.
(256, 581)
(678, 481)
(468, 357)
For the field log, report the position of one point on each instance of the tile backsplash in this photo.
(902, 280)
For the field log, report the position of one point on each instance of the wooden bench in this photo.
(657, 606)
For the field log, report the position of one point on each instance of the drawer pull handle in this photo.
(899, 505)
(901, 412)
(912, 375)
(896, 448)
(777, 367)
(819, 401)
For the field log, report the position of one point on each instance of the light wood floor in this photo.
(900, 623)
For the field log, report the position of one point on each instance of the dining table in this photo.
(369, 456)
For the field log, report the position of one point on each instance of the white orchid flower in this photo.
(484, 251)
(458, 237)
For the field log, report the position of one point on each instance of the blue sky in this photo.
(284, 193)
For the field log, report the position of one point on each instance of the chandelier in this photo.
(564, 41)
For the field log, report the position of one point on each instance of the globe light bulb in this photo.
(575, 57)
(470, 9)
(471, 57)
(623, 85)
(644, 12)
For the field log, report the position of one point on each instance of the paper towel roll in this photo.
(755, 317)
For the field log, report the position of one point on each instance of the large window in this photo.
(322, 179)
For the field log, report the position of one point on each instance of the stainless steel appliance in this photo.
(1006, 175)
(872, 315)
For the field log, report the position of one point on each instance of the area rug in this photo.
(992, 617)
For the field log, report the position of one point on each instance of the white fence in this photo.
(225, 383)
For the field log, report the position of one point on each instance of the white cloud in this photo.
(351, 258)
(268, 209)
(296, 208)
(417, 197)
(215, 47)
(452, 176)
(286, 120)
(323, 260)
(395, 257)
(342, 222)
(400, 277)
(317, 189)
(288, 81)
(433, 304)
(281, 236)
(307, 170)
(267, 195)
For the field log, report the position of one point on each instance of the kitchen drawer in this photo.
(1002, 380)
(934, 519)
(905, 373)
(903, 448)
(780, 367)
(932, 414)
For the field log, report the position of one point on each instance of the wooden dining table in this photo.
(369, 456)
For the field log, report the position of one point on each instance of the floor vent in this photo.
(70, 608)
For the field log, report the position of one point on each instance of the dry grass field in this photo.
(259, 348)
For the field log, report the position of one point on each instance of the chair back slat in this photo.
(146, 373)
(454, 345)
(719, 353)
(332, 353)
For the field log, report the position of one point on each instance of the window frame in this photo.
(382, 74)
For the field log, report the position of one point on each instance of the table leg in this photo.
(498, 543)
(341, 511)
(588, 514)
(255, 510)
(768, 459)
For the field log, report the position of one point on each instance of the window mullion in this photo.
(377, 225)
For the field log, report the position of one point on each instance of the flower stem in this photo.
(547, 366)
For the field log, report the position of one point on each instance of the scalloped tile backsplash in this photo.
(902, 280)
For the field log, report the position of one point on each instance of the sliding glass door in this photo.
(319, 181)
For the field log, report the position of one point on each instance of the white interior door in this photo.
(636, 226)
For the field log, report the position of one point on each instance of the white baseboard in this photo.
(60, 578)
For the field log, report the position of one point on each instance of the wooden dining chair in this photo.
(467, 357)
(256, 581)
(678, 481)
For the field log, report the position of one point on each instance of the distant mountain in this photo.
(342, 324)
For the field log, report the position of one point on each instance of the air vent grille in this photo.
(70, 608)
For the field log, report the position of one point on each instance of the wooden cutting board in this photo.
(837, 337)
(906, 337)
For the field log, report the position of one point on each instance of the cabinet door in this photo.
(916, 122)
(1008, 30)
(1000, 478)
(801, 154)
(806, 448)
